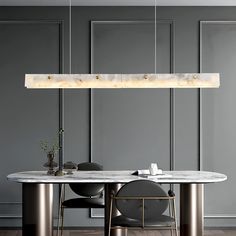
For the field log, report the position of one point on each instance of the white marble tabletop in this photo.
(122, 176)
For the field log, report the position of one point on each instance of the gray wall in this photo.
(181, 129)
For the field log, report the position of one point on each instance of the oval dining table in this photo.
(37, 189)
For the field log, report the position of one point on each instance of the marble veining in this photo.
(123, 176)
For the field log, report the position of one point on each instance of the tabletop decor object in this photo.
(51, 149)
(69, 167)
(50, 164)
(154, 169)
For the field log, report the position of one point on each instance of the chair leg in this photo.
(62, 220)
(176, 231)
(176, 225)
(110, 215)
(59, 212)
(170, 208)
(59, 221)
(171, 213)
(60, 216)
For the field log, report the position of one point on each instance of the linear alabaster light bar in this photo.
(73, 81)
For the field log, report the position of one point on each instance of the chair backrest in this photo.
(88, 190)
(141, 188)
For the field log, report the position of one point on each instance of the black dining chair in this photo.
(91, 195)
(143, 205)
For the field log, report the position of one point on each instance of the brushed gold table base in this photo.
(38, 209)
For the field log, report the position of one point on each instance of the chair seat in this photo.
(161, 221)
(84, 203)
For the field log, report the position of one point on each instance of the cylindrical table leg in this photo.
(111, 189)
(191, 209)
(37, 209)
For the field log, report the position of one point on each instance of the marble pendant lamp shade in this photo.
(84, 81)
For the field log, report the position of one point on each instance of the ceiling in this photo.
(118, 2)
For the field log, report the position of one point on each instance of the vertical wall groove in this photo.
(172, 99)
(61, 95)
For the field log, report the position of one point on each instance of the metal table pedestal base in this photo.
(191, 209)
(37, 209)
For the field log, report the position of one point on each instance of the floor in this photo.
(131, 233)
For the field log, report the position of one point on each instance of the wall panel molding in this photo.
(220, 216)
(172, 91)
(201, 98)
(11, 206)
(60, 24)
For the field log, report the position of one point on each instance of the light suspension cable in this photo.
(70, 38)
(155, 25)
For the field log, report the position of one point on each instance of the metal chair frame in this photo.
(60, 224)
(85, 166)
(172, 213)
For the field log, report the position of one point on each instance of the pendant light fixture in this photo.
(84, 81)
(44, 81)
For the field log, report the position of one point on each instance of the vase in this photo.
(50, 164)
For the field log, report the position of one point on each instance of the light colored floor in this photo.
(131, 233)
